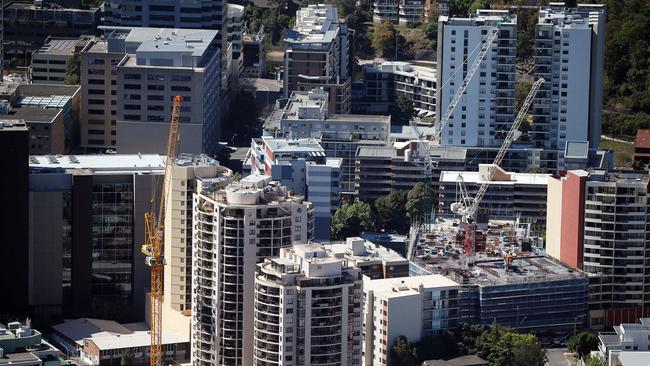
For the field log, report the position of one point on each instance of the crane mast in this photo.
(152, 249)
(424, 146)
(468, 212)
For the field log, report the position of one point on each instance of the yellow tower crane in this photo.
(155, 226)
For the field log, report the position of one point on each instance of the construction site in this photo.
(505, 277)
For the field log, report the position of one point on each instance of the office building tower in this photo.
(308, 306)
(27, 24)
(128, 81)
(414, 307)
(306, 115)
(301, 166)
(318, 54)
(569, 45)
(253, 62)
(14, 214)
(235, 29)
(486, 111)
(50, 111)
(50, 62)
(86, 226)
(175, 62)
(597, 222)
(177, 303)
(236, 226)
(201, 14)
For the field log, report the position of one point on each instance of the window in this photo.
(131, 76)
(156, 87)
(132, 86)
(181, 88)
(155, 97)
(154, 77)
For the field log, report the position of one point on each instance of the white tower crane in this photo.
(468, 207)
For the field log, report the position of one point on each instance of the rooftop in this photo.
(313, 106)
(13, 125)
(59, 47)
(642, 139)
(402, 68)
(315, 25)
(30, 5)
(505, 178)
(279, 145)
(391, 287)
(482, 17)
(359, 250)
(563, 17)
(105, 163)
(32, 114)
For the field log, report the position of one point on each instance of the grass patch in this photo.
(623, 152)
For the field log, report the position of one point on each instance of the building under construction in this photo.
(507, 280)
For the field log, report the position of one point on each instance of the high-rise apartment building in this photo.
(385, 82)
(404, 12)
(486, 111)
(301, 166)
(318, 54)
(14, 214)
(86, 226)
(414, 307)
(172, 62)
(236, 226)
(597, 222)
(308, 309)
(131, 76)
(177, 303)
(569, 55)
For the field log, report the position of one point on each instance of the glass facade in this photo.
(112, 241)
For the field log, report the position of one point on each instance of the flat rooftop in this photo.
(388, 285)
(30, 6)
(59, 47)
(31, 114)
(482, 17)
(13, 125)
(567, 18)
(402, 68)
(279, 145)
(475, 177)
(101, 163)
(369, 252)
(315, 25)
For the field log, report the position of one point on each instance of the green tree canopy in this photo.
(403, 111)
(72, 71)
(594, 361)
(383, 39)
(351, 219)
(403, 353)
(583, 343)
(419, 201)
(391, 212)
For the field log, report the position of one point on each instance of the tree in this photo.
(391, 212)
(72, 71)
(419, 201)
(437, 347)
(403, 353)
(594, 361)
(583, 343)
(430, 29)
(528, 353)
(383, 39)
(403, 111)
(351, 219)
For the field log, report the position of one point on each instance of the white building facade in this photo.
(413, 307)
(486, 111)
(172, 63)
(308, 307)
(301, 166)
(236, 226)
(569, 45)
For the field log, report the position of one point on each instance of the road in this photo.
(556, 357)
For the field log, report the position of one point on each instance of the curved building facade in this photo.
(235, 227)
(307, 309)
